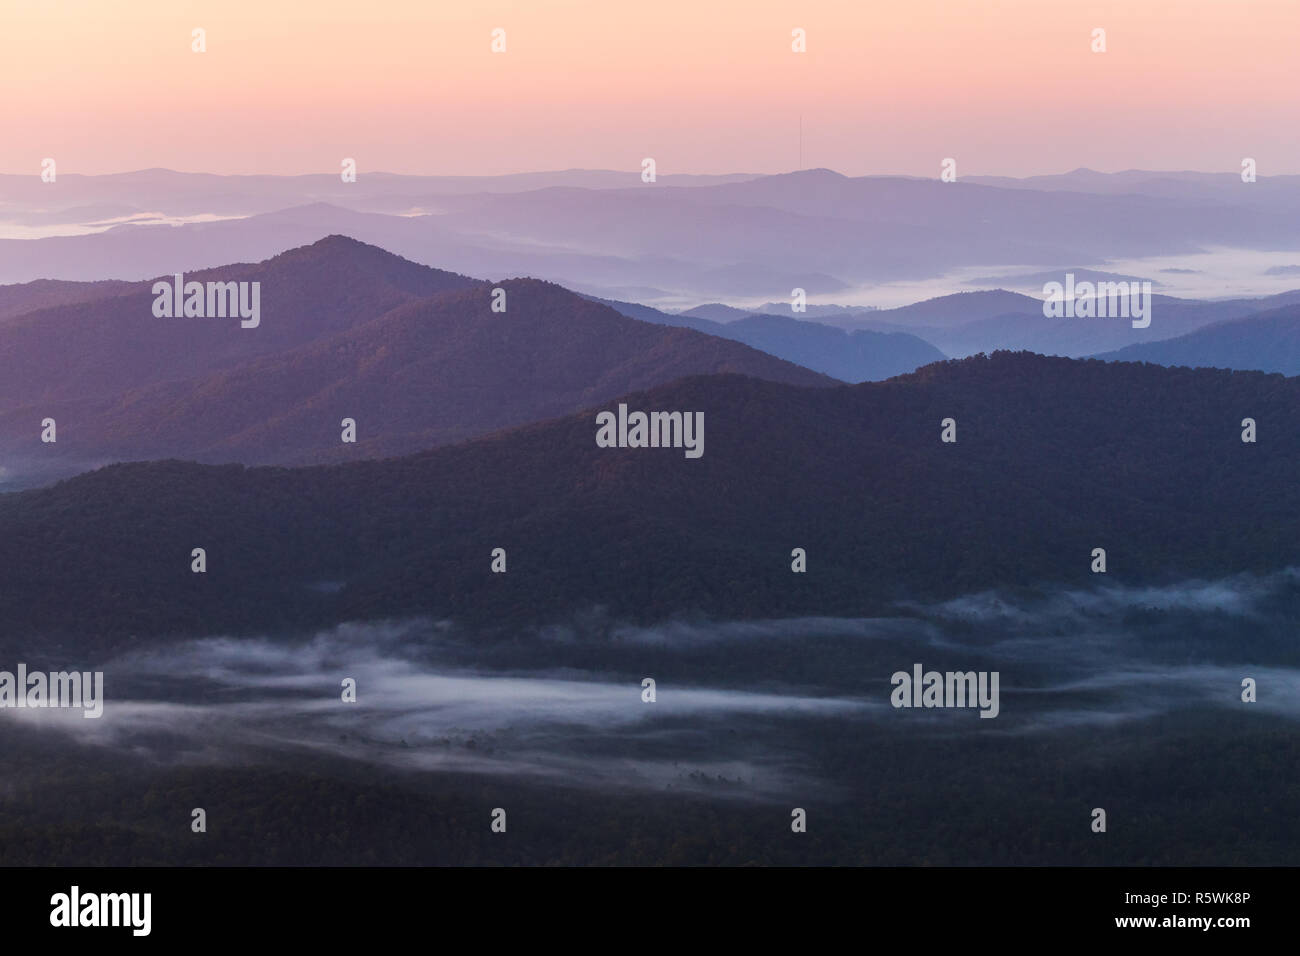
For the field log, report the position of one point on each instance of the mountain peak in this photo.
(337, 250)
(816, 173)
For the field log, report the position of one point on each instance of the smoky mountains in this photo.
(851, 355)
(415, 356)
(871, 345)
(681, 238)
(1054, 458)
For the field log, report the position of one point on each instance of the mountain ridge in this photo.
(856, 475)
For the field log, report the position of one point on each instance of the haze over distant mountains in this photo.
(748, 238)
(1185, 184)
(853, 356)
(971, 322)
(169, 192)
(877, 344)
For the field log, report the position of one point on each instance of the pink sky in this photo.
(1003, 86)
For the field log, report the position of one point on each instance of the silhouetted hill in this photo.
(1267, 342)
(1054, 457)
(429, 372)
(109, 346)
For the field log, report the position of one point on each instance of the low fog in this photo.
(735, 702)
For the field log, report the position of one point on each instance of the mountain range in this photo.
(851, 355)
(1054, 457)
(667, 243)
(414, 355)
(967, 323)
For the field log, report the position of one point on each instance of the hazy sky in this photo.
(411, 86)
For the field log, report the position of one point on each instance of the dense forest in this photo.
(1053, 458)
